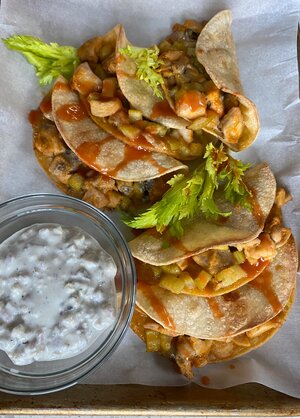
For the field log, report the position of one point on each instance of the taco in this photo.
(110, 110)
(201, 233)
(99, 150)
(228, 315)
(73, 177)
(189, 352)
(222, 269)
(197, 83)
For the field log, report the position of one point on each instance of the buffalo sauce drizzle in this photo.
(252, 270)
(215, 308)
(256, 209)
(34, 117)
(46, 104)
(156, 305)
(263, 283)
(162, 109)
(72, 112)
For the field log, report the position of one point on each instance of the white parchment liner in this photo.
(265, 34)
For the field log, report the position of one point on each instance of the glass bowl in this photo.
(50, 376)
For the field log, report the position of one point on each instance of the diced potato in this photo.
(171, 268)
(229, 276)
(202, 279)
(76, 182)
(165, 342)
(239, 256)
(105, 108)
(172, 283)
(182, 264)
(152, 340)
(156, 129)
(189, 283)
(232, 125)
(156, 271)
(210, 120)
(131, 131)
(135, 115)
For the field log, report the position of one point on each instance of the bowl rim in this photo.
(118, 234)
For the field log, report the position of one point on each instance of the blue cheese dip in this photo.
(57, 293)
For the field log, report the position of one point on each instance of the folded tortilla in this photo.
(189, 352)
(201, 234)
(139, 94)
(215, 50)
(99, 150)
(225, 316)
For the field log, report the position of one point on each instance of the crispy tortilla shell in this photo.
(139, 94)
(202, 234)
(225, 316)
(215, 50)
(84, 76)
(99, 150)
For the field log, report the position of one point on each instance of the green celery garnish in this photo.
(49, 60)
(195, 193)
(147, 62)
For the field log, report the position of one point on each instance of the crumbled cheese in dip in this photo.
(57, 293)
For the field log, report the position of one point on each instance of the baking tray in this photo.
(129, 400)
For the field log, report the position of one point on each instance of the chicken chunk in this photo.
(190, 104)
(265, 249)
(232, 125)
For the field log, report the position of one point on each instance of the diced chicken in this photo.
(280, 235)
(232, 125)
(61, 168)
(172, 55)
(214, 261)
(187, 135)
(85, 81)
(265, 249)
(114, 199)
(191, 352)
(109, 87)
(48, 142)
(96, 197)
(215, 101)
(282, 197)
(104, 183)
(119, 118)
(104, 108)
(190, 104)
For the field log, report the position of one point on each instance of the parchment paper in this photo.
(265, 34)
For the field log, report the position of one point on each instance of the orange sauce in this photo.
(46, 105)
(252, 270)
(34, 117)
(72, 112)
(156, 305)
(139, 141)
(162, 109)
(59, 85)
(205, 380)
(88, 152)
(214, 307)
(263, 283)
(193, 99)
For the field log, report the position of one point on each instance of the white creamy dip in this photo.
(57, 293)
